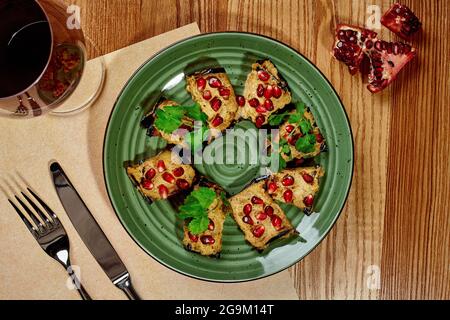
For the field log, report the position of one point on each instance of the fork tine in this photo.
(24, 219)
(43, 204)
(36, 208)
(30, 213)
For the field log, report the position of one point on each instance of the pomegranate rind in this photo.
(402, 21)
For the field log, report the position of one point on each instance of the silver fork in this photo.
(49, 233)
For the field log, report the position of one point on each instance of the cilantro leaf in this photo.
(305, 126)
(306, 144)
(170, 118)
(198, 225)
(300, 107)
(295, 118)
(277, 119)
(195, 112)
(205, 196)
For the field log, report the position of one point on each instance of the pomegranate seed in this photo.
(258, 231)
(214, 82)
(161, 166)
(289, 128)
(277, 92)
(211, 225)
(147, 184)
(215, 104)
(263, 75)
(217, 121)
(276, 222)
(292, 140)
(268, 104)
(150, 174)
(260, 90)
(207, 240)
(253, 102)
(288, 195)
(308, 200)
(240, 101)
(207, 95)
(256, 200)
(261, 216)
(225, 93)
(260, 121)
(269, 211)
(261, 109)
(319, 138)
(268, 93)
(308, 178)
(288, 181)
(201, 84)
(299, 162)
(182, 184)
(247, 219)
(272, 187)
(248, 208)
(178, 172)
(168, 177)
(193, 237)
(163, 191)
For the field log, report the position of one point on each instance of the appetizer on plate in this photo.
(296, 186)
(161, 176)
(173, 122)
(259, 217)
(212, 90)
(265, 92)
(204, 214)
(299, 135)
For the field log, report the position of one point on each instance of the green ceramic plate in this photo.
(155, 226)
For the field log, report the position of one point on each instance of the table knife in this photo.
(91, 233)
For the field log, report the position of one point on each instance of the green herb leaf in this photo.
(198, 225)
(195, 112)
(168, 120)
(295, 118)
(300, 107)
(306, 144)
(195, 207)
(277, 119)
(305, 126)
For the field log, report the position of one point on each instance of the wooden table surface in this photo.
(393, 239)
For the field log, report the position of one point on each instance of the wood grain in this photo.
(396, 218)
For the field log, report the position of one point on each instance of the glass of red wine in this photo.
(44, 65)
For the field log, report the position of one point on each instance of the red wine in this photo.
(25, 45)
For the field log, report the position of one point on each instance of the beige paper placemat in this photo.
(27, 147)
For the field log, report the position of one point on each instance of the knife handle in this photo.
(125, 285)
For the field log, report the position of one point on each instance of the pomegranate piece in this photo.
(292, 140)
(307, 177)
(150, 174)
(168, 177)
(211, 225)
(257, 200)
(247, 208)
(214, 82)
(224, 92)
(277, 92)
(260, 90)
(147, 184)
(386, 61)
(207, 95)
(240, 100)
(288, 196)
(288, 180)
(178, 172)
(215, 104)
(193, 237)
(269, 211)
(260, 121)
(161, 166)
(163, 191)
(201, 84)
(207, 240)
(261, 216)
(268, 92)
(308, 200)
(268, 104)
(289, 128)
(319, 138)
(276, 222)
(272, 187)
(258, 231)
(350, 45)
(247, 219)
(261, 109)
(401, 20)
(182, 184)
(263, 75)
(217, 121)
(253, 102)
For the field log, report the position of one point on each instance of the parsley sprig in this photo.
(195, 207)
(170, 118)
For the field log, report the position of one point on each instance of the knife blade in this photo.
(90, 232)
